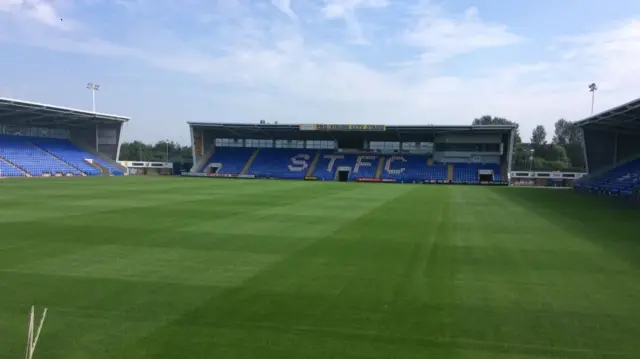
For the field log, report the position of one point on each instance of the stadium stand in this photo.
(365, 166)
(281, 163)
(68, 153)
(33, 160)
(9, 170)
(230, 160)
(450, 154)
(45, 140)
(622, 179)
(611, 142)
(74, 156)
(469, 172)
(412, 168)
(328, 165)
(355, 166)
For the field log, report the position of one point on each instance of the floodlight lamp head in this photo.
(90, 86)
(96, 87)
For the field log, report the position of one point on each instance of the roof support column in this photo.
(193, 146)
(615, 149)
(512, 139)
(97, 138)
(584, 149)
(119, 142)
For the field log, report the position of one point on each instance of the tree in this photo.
(520, 157)
(557, 154)
(562, 133)
(139, 151)
(566, 132)
(489, 120)
(538, 137)
(569, 136)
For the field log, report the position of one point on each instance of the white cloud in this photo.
(347, 11)
(283, 72)
(608, 56)
(338, 8)
(40, 11)
(440, 36)
(285, 7)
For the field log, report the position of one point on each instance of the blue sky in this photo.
(165, 62)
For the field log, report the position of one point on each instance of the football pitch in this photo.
(228, 269)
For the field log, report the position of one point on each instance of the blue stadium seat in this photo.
(287, 163)
(329, 162)
(366, 169)
(32, 159)
(71, 154)
(232, 159)
(412, 168)
(7, 170)
(468, 172)
(621, 180)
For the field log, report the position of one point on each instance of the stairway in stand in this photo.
(381, 161)
(60, 159)
(26, 174)
(313, 165)
(250, 161)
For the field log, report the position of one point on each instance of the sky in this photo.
(166, 62)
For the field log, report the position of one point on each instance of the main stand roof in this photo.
(36, 114)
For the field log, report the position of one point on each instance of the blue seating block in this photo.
(329, 162)
(622, 180)
(412, 168)
(468, 172)
(282, 163)
(232, 159)
(31, 158)
(69, 153)
(294, 164)
(52, 156)
(7, 170)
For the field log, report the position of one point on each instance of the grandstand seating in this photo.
(232, 159)
(32, 159)
(39, 156)
(73, 155)
(468, 172)
(7, 170)
(622, 180)
(294, 164)
(415, 169)
(323, 171)
(282, 163)
(364, 170)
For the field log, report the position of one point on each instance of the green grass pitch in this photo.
(135, 268)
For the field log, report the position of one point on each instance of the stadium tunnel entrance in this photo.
(343, 175)
(213, 168)
(485, 175)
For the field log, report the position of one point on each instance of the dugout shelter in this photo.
(45, 140)
(443, 154)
